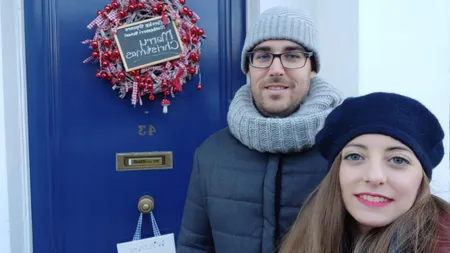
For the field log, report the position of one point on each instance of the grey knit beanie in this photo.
(282, 23)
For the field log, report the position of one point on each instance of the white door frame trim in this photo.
(16, 225)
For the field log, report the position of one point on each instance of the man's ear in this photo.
(313, 74)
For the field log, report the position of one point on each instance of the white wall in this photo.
(337, 24)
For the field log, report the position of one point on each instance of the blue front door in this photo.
(77, 124)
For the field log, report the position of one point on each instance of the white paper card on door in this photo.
(157, 244)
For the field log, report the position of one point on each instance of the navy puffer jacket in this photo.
(242, 201)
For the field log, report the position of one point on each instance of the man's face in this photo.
(277, 90)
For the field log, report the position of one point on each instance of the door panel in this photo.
(77, 124)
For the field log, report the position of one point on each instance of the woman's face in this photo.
(379, 178)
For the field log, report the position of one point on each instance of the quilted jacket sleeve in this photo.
(195, 235)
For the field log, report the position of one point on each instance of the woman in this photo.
(381, 149)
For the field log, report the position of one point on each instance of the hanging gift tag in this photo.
(157, 244)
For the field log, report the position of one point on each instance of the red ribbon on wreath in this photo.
(176, 81)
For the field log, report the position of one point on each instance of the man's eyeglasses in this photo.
(289, 60)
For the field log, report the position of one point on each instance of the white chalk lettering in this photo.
(174, 44)
(126, 35)
(164, 43)
(155, 40)
(154, 23)
(154, 50)
(151, 30)
(136, 27)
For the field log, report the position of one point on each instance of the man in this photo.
(250, 179)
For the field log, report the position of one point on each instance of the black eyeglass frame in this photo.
(308, 55)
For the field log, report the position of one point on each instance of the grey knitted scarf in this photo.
(282, 135)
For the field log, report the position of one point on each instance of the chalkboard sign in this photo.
(148, 42)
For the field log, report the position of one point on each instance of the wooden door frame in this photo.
(15, 194)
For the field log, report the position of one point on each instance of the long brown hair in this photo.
(324, 226)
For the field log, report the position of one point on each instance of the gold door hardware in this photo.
(146, 204)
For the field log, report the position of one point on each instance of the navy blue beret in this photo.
(394, 115)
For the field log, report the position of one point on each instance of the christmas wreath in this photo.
(131, 17)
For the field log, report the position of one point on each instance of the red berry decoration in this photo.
(116, 53)
(106, 43)
(121, 14)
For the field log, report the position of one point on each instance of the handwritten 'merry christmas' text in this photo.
(152, 45)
